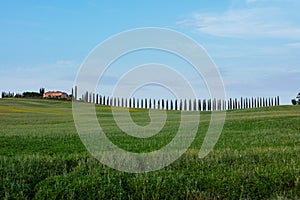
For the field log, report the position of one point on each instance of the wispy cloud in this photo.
(52, 76)
(244, 23)
(294, 45)
(250, 1)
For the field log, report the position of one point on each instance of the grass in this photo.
(42, 156)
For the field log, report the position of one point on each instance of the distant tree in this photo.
(18, 95)
(297, 100)
(294, 102)
(7, 95)
(31, 95)
(42, 91)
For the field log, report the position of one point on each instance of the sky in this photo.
(254, 43)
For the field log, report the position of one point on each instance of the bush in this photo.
(294, 102)
(32, 95)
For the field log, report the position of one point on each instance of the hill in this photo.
(42, 156)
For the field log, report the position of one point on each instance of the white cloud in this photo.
(65, 63)
(251, 1)
(256, 42)
(272, 1)
(245, 23)
(271, 82)
(59, 75)
(294, 45)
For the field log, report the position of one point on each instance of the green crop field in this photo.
(42, 156)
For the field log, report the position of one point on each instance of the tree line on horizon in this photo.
(24, 94)
(31, 94)
(35, 95)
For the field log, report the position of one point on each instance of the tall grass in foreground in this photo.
(42, 157)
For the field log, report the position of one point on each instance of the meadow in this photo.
(42, 156)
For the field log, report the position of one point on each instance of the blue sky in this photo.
(254, 43)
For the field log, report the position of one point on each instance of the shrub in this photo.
(294, 102)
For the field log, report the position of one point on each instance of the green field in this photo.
(42, 156)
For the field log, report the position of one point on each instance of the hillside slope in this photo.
(42, 156)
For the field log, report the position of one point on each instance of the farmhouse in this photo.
(55, 95)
